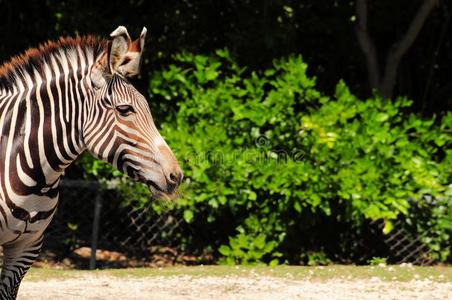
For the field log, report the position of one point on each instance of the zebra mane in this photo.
(36, 58)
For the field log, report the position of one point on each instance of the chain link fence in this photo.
(130, 233)
(406, 243)
(403, 246)
(124, 233)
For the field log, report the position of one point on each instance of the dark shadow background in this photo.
(256, 32)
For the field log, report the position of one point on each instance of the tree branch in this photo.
(399, 48)
(367, 45)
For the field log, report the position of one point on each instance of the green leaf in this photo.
(259, 241)
(297, 206)
(72, 226)
(224, 250)
(274, 262)
(381, 117)
(188, 215)
(388, 227)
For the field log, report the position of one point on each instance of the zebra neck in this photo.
(40, 125)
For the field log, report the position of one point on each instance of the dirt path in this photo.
(229, 287)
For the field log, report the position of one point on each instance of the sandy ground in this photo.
(230, 287)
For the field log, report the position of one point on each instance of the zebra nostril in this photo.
(174, 178)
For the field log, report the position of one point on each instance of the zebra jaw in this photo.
(160, 194)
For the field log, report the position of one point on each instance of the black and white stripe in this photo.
(56, 102)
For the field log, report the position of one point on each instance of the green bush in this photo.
(277, 172)
(262, 152)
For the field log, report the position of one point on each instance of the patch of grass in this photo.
(336, 272)
(43, 274)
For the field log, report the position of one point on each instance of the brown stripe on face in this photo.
(138, 139)
(138, 155)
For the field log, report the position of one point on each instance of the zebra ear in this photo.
(124, 57)
(130, 65)
(118, 49)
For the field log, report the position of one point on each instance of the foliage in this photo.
(317, 258)
(280, 152)
(245, 249)
(375, 261)
(260, 149)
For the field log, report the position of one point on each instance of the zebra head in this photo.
(119, 127)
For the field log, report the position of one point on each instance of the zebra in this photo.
(56, 101)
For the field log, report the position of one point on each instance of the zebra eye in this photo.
(125, 110)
